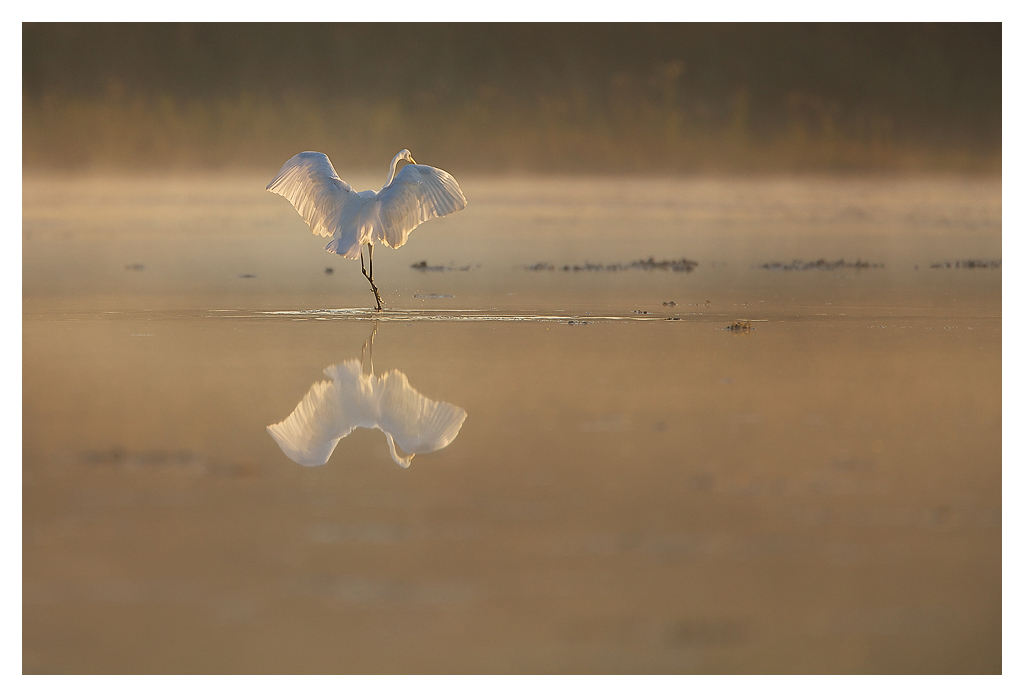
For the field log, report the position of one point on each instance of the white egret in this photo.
(351, 219)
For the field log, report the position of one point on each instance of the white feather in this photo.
(351, 219)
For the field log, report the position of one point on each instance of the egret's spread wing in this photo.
(417, 194)
(310, 183)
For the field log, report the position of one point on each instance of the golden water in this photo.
(635, 487)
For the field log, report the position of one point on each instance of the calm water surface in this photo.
(605, 477)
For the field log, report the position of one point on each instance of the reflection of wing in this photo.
(314, 428)
(309, 181)
(331, 410)
(417, 424)
(417, 194)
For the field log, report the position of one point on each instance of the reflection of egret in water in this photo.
(355, 397)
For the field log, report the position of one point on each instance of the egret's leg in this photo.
(369, 276)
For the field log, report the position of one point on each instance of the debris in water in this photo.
(669, 303)
(134, 267)
(821, 265)
(433, 296)
(969, 264)
(741, 326)
(685, 265)
(328, 271)
(248, 275)
(423, 266)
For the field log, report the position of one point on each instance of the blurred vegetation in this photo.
(625, 98)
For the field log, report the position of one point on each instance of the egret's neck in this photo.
(394, 166)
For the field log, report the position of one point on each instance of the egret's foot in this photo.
(373, 286)
(376, 293)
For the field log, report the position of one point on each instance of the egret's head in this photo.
(397, 164)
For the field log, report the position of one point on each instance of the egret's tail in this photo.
(335, 246)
